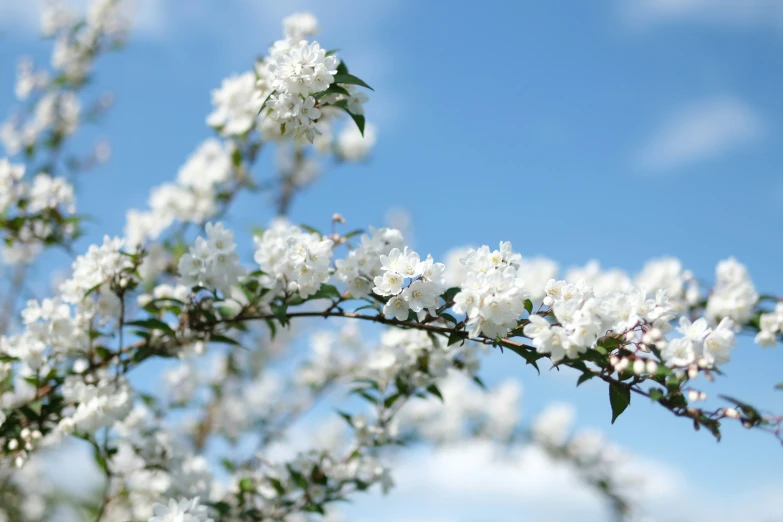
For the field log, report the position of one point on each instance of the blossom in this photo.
(186, 510)
(352, 145)
(492, 295)
(733, 295)
(212, 262)
(237, 104)
(292, 260)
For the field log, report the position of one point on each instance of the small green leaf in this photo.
(584, 378)
(779, 386)
(448, 317)
(619, 398)
(455, 337)
(265, 101)
(350, 79)
(449, 294)
(391, 399)
(280, 312)
(529, 306)
(326, 292)
(353, 233)
(217, 338)
(246, 485)
(152, 324)
(436, 392)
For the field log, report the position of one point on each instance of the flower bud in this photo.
(693, 395)
(622, 365)
(731, 413)
(693, 371)
(638, 366)
(338, 218)
(652, 367)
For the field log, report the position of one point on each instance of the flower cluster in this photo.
(94, 406)
(583, 317)
(413, 285)
(411, 357)
(733, 295)
(316, 476)
(237, 103)
(701, 344)
(293, 261)
(363, 263)
(192, 199)
(466, 409)
(299, 73)
(493, 294)
(106, 263)
(42, 208)
(770, 326)
(47, 324)
(212, 263)
(186, 510)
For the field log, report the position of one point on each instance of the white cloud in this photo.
(471, 482)
(703, 131)
(729, 12)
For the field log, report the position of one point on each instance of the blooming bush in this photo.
(177, 287)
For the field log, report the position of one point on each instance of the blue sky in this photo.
(612, 130)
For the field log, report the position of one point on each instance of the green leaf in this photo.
(530, 357)
(346, 416)
(332, 89)
(609, 343)
(353, 233)
(529, 306)
(332, 51)
(297, 477)
(265, 101)
(656, 394)
(449, 294)
(280, 312)
(436, 392)
(342, 68)
(619, 398)
(779, 386)
(350, 79)
(448, 317)
(584, 378)
(391, 399)
(246, 485)
(310, 229)
(326, 292)
(217, 338)
(152, 324)
(455, 337)
(478, 381)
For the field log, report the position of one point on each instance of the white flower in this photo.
(352, 145)
(213, 262)
(398, 307)
(734, 295)
(293, 260)
(299, 26)
(356, 101)
(186, 510)
(236, 103)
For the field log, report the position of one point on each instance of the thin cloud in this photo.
(725, 12)
(706, 130)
